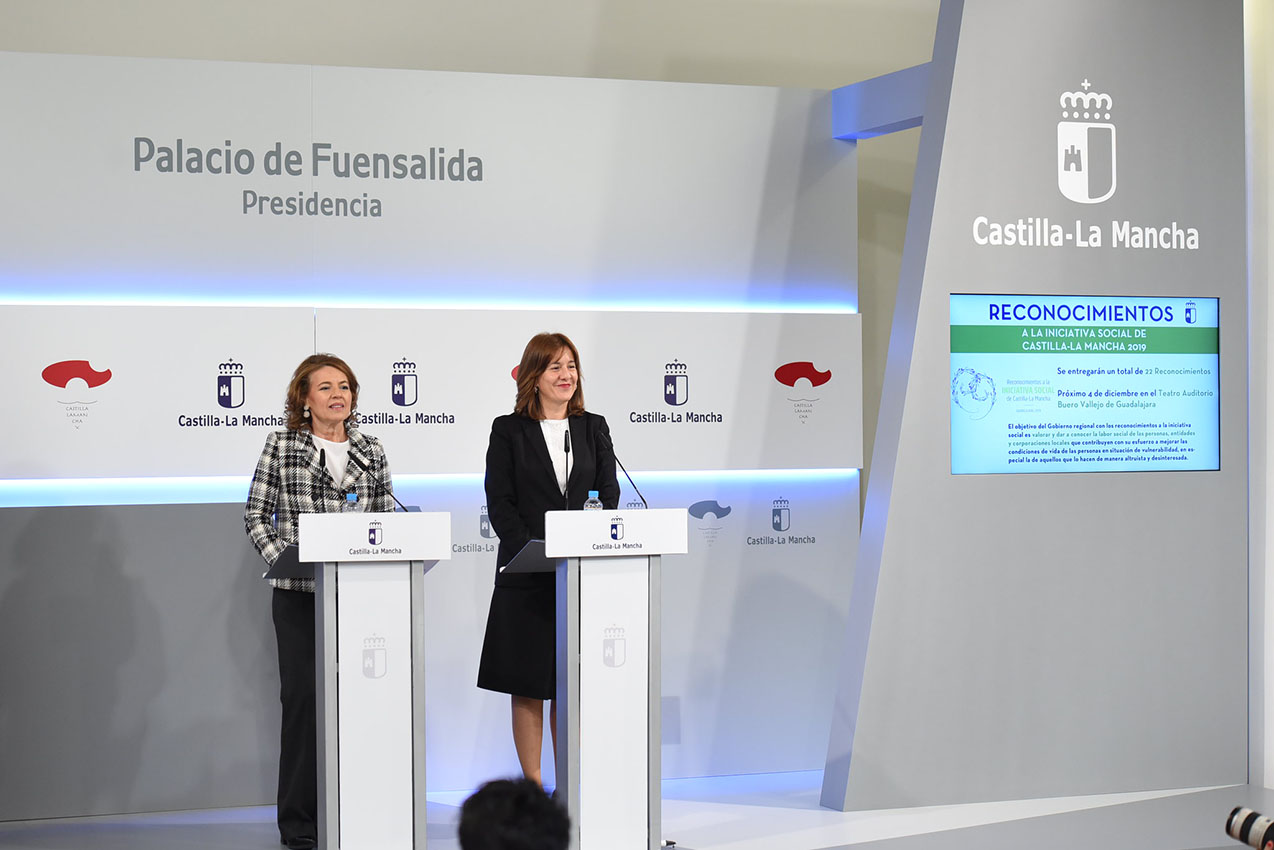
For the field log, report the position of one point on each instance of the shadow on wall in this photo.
(214, 735)
(781, 646)
(78, 660)
(255, 662)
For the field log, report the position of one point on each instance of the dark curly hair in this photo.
(513, 814)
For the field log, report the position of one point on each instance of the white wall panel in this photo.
(618, 190)
(744, 394)
(1037, 635)
(147, 391)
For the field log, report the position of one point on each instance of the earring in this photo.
(537, 390)
(306, 412)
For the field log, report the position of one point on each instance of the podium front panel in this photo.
(614, 704)
(374, 700)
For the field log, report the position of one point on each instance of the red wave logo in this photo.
(514, 373)
(790, 373)
(62, 373)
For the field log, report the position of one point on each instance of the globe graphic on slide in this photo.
(973, 392)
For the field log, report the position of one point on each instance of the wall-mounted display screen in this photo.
(1043, 383)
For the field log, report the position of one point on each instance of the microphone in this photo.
(566, 446)
(611, 445)
(368, 470)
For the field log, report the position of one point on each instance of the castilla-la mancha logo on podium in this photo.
(614, 649)
(375, 533)
(374, 657)
(1086, 146)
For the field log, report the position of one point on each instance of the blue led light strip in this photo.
(191, 490)
(787, 305)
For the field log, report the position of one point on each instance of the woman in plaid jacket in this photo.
(309, 468)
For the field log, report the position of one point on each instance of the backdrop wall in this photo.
(159, 311)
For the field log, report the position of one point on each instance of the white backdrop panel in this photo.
(147, 391)
(679, 390)
(460, 186)
(89, 215)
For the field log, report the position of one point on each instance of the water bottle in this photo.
(351, 505)
(593, 503)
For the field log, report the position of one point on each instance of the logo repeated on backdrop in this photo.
(230, 392)
(709, 514)
(230, 395)
(375, 533)
(634, 505)
(676, 384)
(1086, 146)
(614, 647)
(781, 521)
(404, 392)
(803, 377)
(485, 532)
(675, 390)
(375, 661)
(1085, 162)
(402, 389)
(781, 515)
(61, 374)
(76, 381)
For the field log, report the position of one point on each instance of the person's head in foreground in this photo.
(513, 814)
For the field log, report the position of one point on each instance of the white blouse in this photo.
(337, 457)
(555, 431)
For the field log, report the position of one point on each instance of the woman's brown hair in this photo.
(299, 388)
(538, 355)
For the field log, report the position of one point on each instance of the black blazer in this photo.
(521, 484)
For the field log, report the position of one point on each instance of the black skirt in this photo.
(519, 652)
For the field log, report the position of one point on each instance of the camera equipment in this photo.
(1252, 828)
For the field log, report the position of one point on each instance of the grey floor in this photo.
(1194, 821)
(213, 829)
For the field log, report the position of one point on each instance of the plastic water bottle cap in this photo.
(592, 494)
(351, 498)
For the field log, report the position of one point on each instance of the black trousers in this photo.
(293, 613)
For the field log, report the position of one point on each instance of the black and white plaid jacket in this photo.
(289, 481)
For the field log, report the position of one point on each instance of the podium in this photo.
(370, 669)
(608, 670)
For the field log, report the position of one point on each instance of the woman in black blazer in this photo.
(530, 472)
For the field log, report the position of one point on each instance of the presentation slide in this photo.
(1084, 384)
